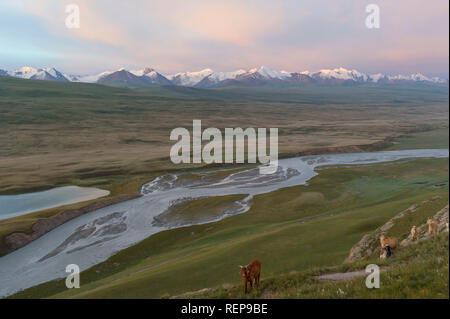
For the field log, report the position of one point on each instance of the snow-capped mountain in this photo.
(151, 76)
(217, 77)
(189, 78)
(438, 80)
(72, 78)
(258, 76)
(301, 77)
(53, 73)
(207, 78)
(92, 78)
(264, 72)
(25, 72)
(253, 77)
(136, 78)
(416, 77)
(340, 74)
(48, 74)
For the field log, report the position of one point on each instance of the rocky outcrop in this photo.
(363, 249)
(17, 240)
(369, 244)
(422, 231)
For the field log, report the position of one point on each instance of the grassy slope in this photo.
(417, 271)
(296, 228)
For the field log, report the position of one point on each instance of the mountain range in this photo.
(207, 78)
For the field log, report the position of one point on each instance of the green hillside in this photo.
(416, 272)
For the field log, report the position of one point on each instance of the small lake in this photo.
(16, 205)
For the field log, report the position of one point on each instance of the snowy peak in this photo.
(25, 72)
(48, 74)
(54, 74)
(222, 76)
(207, 77)
(145, 71)
(420, 77)
(88, 78)
(438, 80)
(268, 73)
(340, 74)
(217, 77)
(416, 77)
(189, 78)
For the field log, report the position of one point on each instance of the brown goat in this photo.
(392, 242)
(414, 233)
(251, 273)
(432, 226)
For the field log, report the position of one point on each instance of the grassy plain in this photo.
(429, 139)
(86, 134)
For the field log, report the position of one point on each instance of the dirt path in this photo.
(339, 276)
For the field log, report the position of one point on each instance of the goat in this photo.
(392, 242)
(251, 273)
(432, 226)
(414, 233)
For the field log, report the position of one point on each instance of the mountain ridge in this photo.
(207, 78)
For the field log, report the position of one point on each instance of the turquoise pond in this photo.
(16, 205)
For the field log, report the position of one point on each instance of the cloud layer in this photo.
(176, 35)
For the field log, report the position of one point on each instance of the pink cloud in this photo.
(177, 35)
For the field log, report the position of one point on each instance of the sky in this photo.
(224, 35)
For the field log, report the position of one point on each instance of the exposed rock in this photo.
(362, 248)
